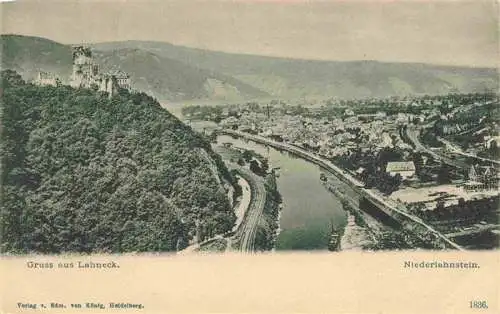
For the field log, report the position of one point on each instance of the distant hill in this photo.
(292, 78)
(164, 78)
(28, 55)
(175, 73)
(169, 79)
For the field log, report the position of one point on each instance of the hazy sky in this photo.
(445, 32)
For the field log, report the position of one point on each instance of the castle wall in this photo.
(45, 78)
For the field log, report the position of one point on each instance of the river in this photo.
(309, 210)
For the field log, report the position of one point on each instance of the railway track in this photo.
(248, 229)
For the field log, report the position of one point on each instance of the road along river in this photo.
(309, 210)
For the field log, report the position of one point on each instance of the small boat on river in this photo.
(322, 177)
(334, 241)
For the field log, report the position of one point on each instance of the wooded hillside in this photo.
(85, 173)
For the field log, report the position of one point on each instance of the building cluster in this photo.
(329, 136)
(482, 178)
(349, 132)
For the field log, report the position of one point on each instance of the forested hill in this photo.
(85, 173)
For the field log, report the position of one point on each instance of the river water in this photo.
(309, 210)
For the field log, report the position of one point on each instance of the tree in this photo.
(11, 78)
(241, 161)
(247, 155)
(254, 167)
(418, 161)
(264, 166)
(444, 174)
(494, 151)
(386, 155)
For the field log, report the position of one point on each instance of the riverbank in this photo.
(243, 204)
(267, 231)
(258, 229)
(308, 210)
(356, 234)
(354, 237)
(413, 226)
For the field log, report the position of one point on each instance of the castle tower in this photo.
(87, 74)
(84, 70)
(108, 84)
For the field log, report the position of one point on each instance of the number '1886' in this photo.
(478, 304)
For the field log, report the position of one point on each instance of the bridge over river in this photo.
(390, 208)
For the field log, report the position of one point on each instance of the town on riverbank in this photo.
(412, 172)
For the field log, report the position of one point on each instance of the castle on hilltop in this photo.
(86, 74)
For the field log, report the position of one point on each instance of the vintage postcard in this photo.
(249, 156)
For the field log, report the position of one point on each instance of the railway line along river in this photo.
(309, 210)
